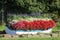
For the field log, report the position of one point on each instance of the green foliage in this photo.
(20, 2)
(38, 6)
(54, 6)
(32, 5)
(58, 3)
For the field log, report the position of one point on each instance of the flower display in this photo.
(33, 25)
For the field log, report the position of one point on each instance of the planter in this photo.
(19, 32)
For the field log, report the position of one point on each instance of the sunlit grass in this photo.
(2, 27)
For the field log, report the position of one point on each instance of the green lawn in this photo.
(49, 38)
(2, 27)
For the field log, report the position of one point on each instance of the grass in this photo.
(55, 28)
(49, 38)
(2, 27)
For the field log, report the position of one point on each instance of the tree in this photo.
(28, 6)
(32, 5)
(1, 12)
(5, 5)
(54, 5)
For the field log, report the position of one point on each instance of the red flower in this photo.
(18, 25)
(33, 25)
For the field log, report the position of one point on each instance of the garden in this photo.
(30, 19)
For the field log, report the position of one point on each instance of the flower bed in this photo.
(30, 27)
(19, 32)
(33, 25)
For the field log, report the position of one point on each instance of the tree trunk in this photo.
(0, 18)
(5, 17)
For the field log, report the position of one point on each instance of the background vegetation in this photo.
(45, 8)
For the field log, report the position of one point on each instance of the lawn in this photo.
(2, 27)
(49, 38)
